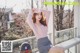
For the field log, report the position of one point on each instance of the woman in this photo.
(38, 21)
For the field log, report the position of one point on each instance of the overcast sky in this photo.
(17, 5)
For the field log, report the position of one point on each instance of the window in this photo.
(64, 21)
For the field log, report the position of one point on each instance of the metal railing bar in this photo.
(68, 44)
(28, 38)
(66, 29)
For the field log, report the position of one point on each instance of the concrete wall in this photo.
(51, 29)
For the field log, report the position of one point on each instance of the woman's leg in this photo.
(56, 50)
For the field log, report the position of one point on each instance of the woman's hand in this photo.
(35, 10)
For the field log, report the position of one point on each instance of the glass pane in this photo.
(64, 35)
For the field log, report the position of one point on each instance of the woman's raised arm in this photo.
(30, 21)
(47, 15)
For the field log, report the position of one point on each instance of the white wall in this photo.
(77, 21)
(51, 29)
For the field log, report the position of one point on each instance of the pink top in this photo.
(40, 31)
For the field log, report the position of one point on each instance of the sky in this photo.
(18, 5)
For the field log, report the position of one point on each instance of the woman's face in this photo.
(38, 16)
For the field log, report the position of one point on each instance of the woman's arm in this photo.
(30, 22)
(47, 15)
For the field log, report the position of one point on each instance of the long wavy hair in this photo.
(42, 21)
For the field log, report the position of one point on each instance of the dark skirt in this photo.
(44, 45)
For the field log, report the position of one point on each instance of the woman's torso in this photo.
(40, 31)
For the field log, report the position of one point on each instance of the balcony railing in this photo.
(66, 45)
(33, 42)
(64, 35)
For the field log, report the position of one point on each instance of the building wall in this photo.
(77, 22)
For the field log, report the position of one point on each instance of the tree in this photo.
(59, 15)
(59, 12)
